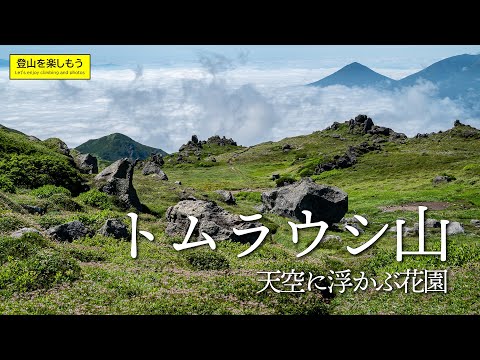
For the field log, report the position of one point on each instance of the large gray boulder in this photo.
(454, 228)
(212, 220)
(114, 228)
(68, 232)
(22, 231)
(227, 197)
(87, 163)
(116, 180)
(327, 203)
(153, 168)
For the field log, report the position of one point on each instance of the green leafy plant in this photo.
(47, 191)
(6, 184)
(96, 198)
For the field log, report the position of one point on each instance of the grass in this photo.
(203, 281)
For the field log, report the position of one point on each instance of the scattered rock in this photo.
(195, 139)
(454, 228)
(348, 159)
(457, 123)
(330, 238)
(259, 208)
(212, 220)
(327, 203)
(34, 209)
(475, 222)
(160, 176)
(408, 231)
(213, 159)
(354, 225)
(68, 232)
(351, 220)
(221, 141)
(114, 228)
(286, 147)
(116, 180)
(442, 179)
(178, 182)
(432, 223)
(227, 197)
(157, 159)
(86, 163)
(334, 126)
(22, 231)
(153, 168)
(420, 136)
(275, 176)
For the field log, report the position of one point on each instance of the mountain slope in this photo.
(354, 74)
(117, 146)
(28, 162)
(444, 70)
(457, 77)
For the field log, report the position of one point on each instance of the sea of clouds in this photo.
(163, 107)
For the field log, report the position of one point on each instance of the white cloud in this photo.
(163, 107)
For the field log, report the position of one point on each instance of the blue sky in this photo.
(161, 95)
(389, 56)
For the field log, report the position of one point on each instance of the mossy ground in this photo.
(164, 281)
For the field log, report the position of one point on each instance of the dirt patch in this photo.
(432, 205)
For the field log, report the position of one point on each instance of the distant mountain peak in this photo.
(117, 146)
(355, 74)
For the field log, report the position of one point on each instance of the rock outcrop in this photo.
(227, 197)
(116, 180)
(114, 228)
(153, 168)
(86, 163)
(68, 232)
(212, 220)
(327, 203)
(348, 159)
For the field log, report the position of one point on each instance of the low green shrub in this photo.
(11, 222)
(62, 202)
(47, 191)
(35, 170)
(253, 196)
(85, 254)
(43, 269)
(207, 260)
(6, 184)
(48, 221)
(95, 198)
(25, 246)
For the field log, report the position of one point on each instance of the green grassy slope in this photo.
(28, 163)
(202, 281)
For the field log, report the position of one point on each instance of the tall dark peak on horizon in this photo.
(355, 74)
